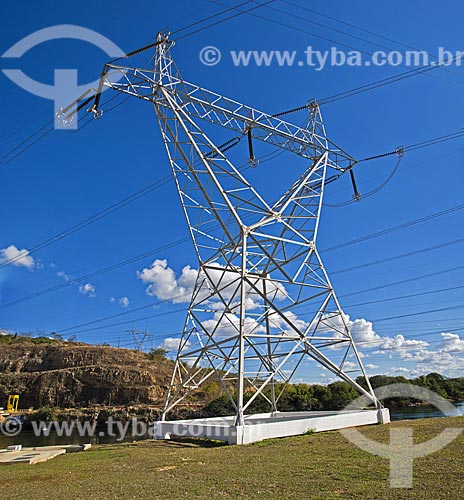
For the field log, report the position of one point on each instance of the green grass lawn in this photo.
(320, 466)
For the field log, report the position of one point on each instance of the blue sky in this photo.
(69, 176)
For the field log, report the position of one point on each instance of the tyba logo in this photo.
(65, 80)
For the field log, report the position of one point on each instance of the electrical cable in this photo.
(354, 36)
(396, 228)
(336, 247)
(361, 197)
(400, 256)
(129, 54)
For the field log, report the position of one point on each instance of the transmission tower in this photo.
(263, 303)
(139, 338)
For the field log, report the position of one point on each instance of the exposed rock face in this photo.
(69, 375)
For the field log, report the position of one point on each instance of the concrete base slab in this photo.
(40, 454)
(269, 425)
(28, 457)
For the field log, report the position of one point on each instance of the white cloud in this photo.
(172, 344)
(88, 290)
(163, 283)
(21, 258)
(123, 301)
(227, 325)
(363, 332)
(399, 343)
(424, 361)
(371, 366)
(434, 361)
(349, 365)
(365, 337)
(63, 276)
(451, 342)
(277, 321)
(399, 369)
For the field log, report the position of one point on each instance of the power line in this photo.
(6, 161)
(129, 54)
(400, 256)
(396, 228)
(187, 295)
(116, 206)
(89, 220)
(335, 247)
(408, 280)
(364, 88)
(86, 277)
(387, 81)
(420, 313)
(129, 312)
(401, 297)
(358, 28)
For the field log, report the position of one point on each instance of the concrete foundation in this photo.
(269, 425)
(19, 455)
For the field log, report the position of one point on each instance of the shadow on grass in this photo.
(186, 442)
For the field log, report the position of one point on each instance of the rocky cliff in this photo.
(64, 374)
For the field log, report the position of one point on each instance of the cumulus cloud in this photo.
(163, 283)
(349, 365)
(399, 369)
(279, 322)
(227, 325)
(123, 301)
(371, 366)
(88, 290)
(20, 258)
(421, 360)
(365, 337)
(172, 344)
(451, 342)
(63, 276)
(427, 361)
(400, 343)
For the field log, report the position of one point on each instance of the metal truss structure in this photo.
(263, 303)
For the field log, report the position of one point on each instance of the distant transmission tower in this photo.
(263, 303)
(139, 338)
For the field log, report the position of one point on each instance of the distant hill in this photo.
(47, 372)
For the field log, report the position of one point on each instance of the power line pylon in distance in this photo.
(139, 338)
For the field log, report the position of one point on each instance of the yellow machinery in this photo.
(13, 401)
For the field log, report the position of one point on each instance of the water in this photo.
(413, 412)
(27, 438)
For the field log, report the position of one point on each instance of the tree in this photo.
(157, 353)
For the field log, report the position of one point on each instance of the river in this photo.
(27, 438)
(411, 412)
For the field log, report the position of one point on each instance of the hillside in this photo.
(65, 374)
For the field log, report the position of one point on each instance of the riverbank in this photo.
(321, 466)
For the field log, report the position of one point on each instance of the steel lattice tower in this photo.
(263, 302)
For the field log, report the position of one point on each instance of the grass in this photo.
(320, 466)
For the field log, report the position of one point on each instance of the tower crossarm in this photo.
(228, 113)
